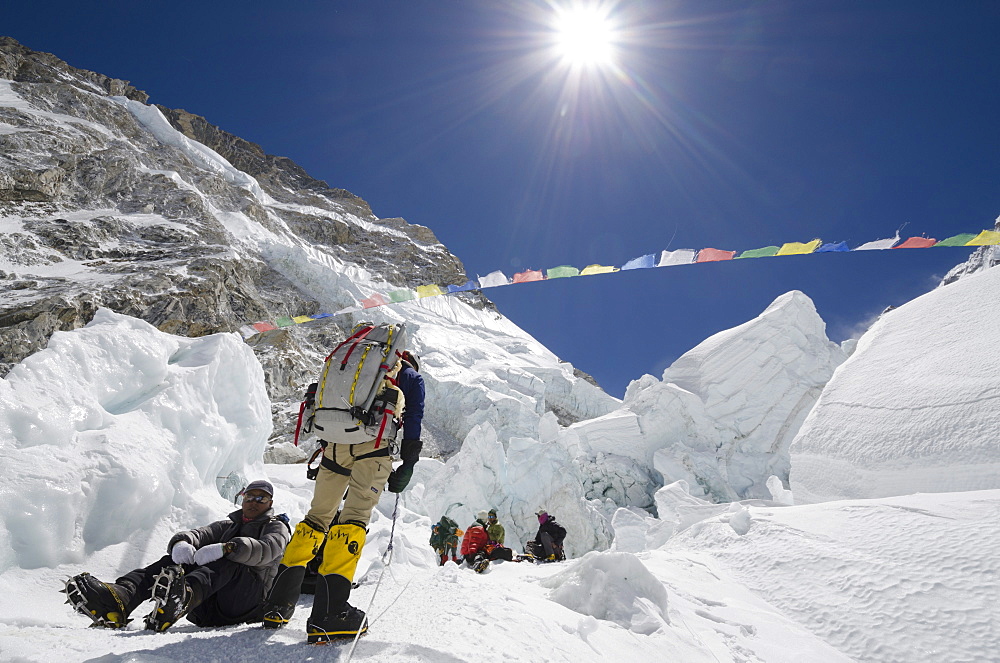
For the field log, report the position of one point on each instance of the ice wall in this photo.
(114, 427)
(724, 414)
(915, 407)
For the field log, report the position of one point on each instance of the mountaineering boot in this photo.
(174, 598)
(332, 616)
(304, 546)
(106, 604)
(280, 604)
(480, 563)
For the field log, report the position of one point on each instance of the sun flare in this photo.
(585, 37)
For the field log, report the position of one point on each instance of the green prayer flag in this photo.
(561, 272)
(957, 240)
(765, 252)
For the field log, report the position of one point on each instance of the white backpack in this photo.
(354, 401)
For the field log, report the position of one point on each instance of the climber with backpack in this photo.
(474, 543)
(444, 540)
(370, 388)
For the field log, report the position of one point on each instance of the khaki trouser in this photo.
(364, 485)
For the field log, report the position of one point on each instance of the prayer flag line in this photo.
(648, 261)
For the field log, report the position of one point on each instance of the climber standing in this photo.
(362, 470)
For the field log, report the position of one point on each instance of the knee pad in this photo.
(343, 550)
(304, 545)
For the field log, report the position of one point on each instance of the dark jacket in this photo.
(553, 529)
(259, 543)
(411, 383)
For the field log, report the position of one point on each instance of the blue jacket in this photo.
(411, 384)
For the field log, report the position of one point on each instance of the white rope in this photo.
(386, 561)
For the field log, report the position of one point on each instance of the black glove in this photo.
(400, 477)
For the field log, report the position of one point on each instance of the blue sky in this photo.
(728, 124)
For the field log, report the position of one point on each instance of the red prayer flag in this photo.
(916, 243)
(263, 326)
(712, 255)
(528, 275)
(373, 301)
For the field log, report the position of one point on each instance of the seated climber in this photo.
(216, 575)
(547, 546)
(496, 534)
(474, 543)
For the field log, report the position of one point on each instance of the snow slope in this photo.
(915, 407)
(140, 428)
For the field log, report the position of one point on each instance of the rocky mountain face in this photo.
(104, 204)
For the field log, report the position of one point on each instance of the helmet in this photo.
(482, 515)
(493, 513)
(411, 359)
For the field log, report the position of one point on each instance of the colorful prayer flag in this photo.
(299, 319)
(597, 269)
(961, 239)
(765, 252)
(493, 280)
(320, 316)
(713, 255)
(402, 295)
(916, 243)
(528, 275)
(469, 285)
(878, 244)
(678, 257)
(284, 321)
(263, 326)
(246, 331)
(429, 291)
(642, 262)
(373, 301)
(833, 247)
(798, 248)
(985, 238)
(562, 272)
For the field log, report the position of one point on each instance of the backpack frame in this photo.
(352, 405)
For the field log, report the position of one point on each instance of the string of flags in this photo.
(664, 259)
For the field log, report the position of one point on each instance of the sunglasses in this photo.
(256, 498)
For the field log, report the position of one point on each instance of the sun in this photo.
(585, 37)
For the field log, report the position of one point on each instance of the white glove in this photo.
(209, 553)
(182, 553)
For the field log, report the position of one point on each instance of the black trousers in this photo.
(229, 593)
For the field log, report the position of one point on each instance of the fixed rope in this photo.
(386, 561)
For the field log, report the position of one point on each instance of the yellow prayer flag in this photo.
(985, 238)
(299, 319)
(597, 269)
(429, 291)
(798, 248)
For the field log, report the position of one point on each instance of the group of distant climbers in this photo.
(251, 567)
(483, 541)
